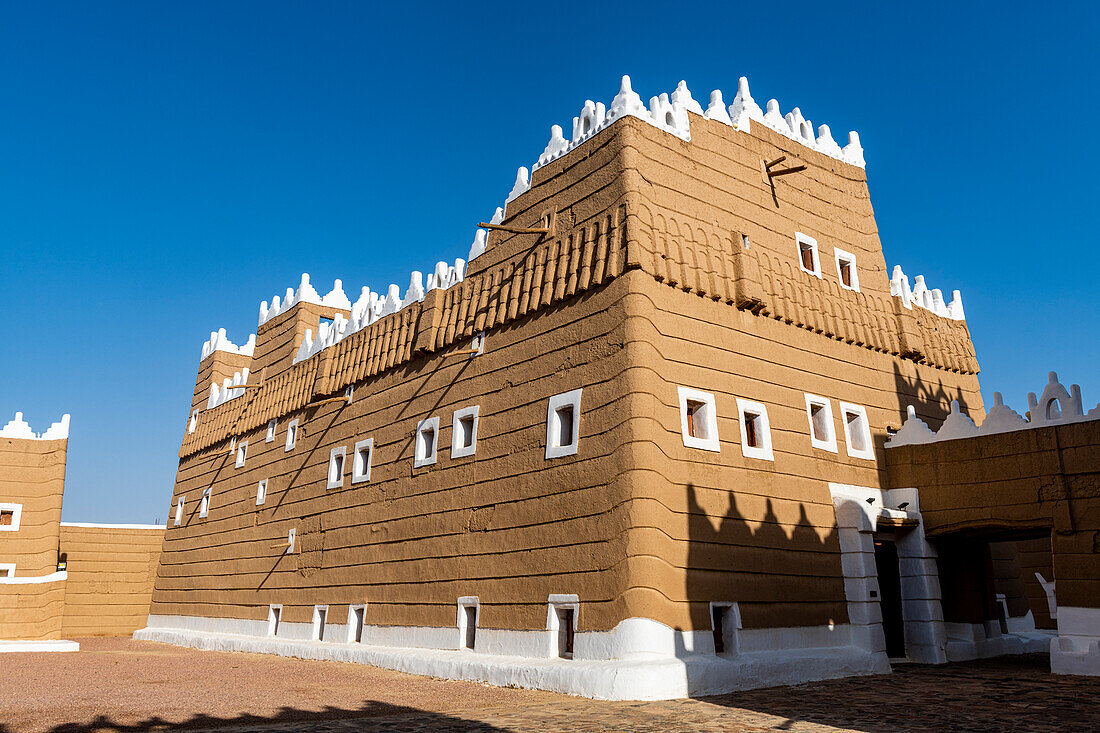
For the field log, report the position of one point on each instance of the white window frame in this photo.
(17, 516)
(554, 602)
(291, 435)
(763, 432)
(261, 492)
(801, 239)
(319, 623)
(272, 622)
(842, 255)
(178, 518)
(10, 567)
(465, 602)
(360, 473)
(336, 481)
(732, 625)
(242, 453)
(710, 419)
(553, 429)
(352, 608)
(204, 503)
(420, 456)
(829, 443)
(458, 450)
(272, 427)
(869, 452)
(193, 422)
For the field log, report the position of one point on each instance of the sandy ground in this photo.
(123, 685)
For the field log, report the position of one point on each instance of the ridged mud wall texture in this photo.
(32, 473)
(110, 584)
(1027, 482)
(644, 284)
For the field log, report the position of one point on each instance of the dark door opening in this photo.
(889, 584)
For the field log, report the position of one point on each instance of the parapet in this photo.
(1057, 406)
(919, 295)
(18, 428)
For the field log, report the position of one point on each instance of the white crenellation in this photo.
(18, 428)
(229, 389)
(919, 295)
(219, 342)
(1056, 406)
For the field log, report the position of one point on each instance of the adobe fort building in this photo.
(652, 440)
(63, 580)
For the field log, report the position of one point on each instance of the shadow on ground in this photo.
(370, 716)
(1008, 693)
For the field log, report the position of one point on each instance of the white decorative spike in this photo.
(717, 110)
(415, 292)
(18, 428)
(557, 146)
(955, 307)
(478, 246)
(826, 143)
(626, 102)
(58, 430)
(522, 184)
(794, 122)
(1001, 418)
(957, 425)
(682, 98)
(337, 298)
(498, 216)
(914, 431)
(853, 151)
(744, 107)
(773, 118)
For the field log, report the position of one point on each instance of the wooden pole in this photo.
(515, 230)
(777, 161)
(786, 171)
(341, 398)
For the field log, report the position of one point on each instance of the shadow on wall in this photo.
(372, 715)
(932, 401)
(777, 579)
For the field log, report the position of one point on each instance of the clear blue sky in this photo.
(164, 168)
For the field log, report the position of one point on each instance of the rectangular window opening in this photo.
(466, 431)
(276, 614)
(718, 625)
(696, 419)
(5, 572)
(291, 434)
(820, 420)
(471, 626)
(271, 425)
(261, 492)
(565, 425)
(336, 468)
(752, 437)
(427, 443)
(7, 517)
(204, 505)
(357, 618)
(242, 452)
(857, 430)
(806, 251)
(565, 632)
(322, 617)
(846, 273)
(179, 512)
(361, 460)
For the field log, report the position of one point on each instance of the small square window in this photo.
(360, 465)
(756, 438)
(204, 505)
(271, 426)
(857, 431)
(427, 436)
(846, 269)
(819, 414)
(261, 492)
(10, 515)
(336, 468)
(242, 452)
(179, 512)
(291, 435)
(698, 419)
(563, 424)
(7, 570)
(561, 619)
(808, 259)
(464, 432)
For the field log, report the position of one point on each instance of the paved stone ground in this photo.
(122, 685)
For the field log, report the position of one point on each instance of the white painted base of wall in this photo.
(973, 641)
(656, 662)
(1076, 650)
(40, 645)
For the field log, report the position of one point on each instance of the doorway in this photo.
(889, 584)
